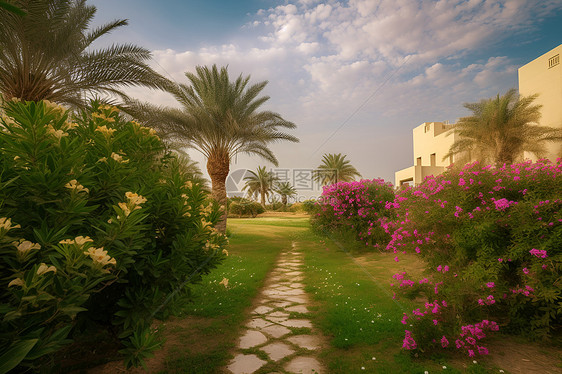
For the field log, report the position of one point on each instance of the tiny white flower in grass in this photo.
(362, 367)
(474, 361)
(501, 371)
(426, 372)
(444, 367)
(224, 282)
(374, 358)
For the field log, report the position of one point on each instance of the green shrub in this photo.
(492, 238)
(245, 208)
(107, 229)
(354, 210)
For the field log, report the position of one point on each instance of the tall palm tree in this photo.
(501, 129)
(46, 54)
(335, 168)
(260, 183)
(286, 190)
(220, 118)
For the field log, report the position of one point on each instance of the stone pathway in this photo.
(279, 334)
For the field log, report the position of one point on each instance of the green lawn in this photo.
(351, 300)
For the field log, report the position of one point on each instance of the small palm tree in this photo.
(501, 129)
(286, 190)
(46, 54)
(220, 118)
(335, 168)
(260, 183)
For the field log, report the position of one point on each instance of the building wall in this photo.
(430, 138)
(431, 143)
(539, 77)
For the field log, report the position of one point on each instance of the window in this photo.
(553, 61)
(432, 159)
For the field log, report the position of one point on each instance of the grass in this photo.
(217, 312)
(352, 305)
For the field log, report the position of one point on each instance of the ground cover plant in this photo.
(98, 226)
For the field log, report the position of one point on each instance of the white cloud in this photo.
(324, 59)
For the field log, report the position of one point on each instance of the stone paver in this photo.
(304, 365)
(269, 330)
(278, 350)
(309, 342)
(245, 364)
(251, 339)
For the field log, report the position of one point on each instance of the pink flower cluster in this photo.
(540, 253)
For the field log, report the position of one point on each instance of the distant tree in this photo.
(335, 168)
(286, 190)
(220, 118)
(501, 129)
(46, 54)
(260, 183)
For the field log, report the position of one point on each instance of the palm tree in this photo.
(285, 189)
(220, 118)
(260, 183)
(46, 54)
(335, 168)
(501, 129)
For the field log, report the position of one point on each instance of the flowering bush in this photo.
(97, 223)
(355, 208)
(492, 238)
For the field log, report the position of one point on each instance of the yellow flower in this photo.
(125, 209)
(43, 268)
(25, 246)
(6, 224)
(188, 184)
(118, 158)
(56, 133)
(103, 117)
(74, 185)
(100, 256)
(79, 240)
(54, 107)
(70, 125)
(224, 282)
(134, 198)
(105, 131)
(225, 252)
(103, 159)
(16, 282)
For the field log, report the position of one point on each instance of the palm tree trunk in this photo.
(284, 199)
(218, 166)
(262, 199)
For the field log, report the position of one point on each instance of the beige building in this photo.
(543, 76)
(432, 141)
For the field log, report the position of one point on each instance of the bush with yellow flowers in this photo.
(98, 227)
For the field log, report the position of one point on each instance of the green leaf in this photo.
(15, 354)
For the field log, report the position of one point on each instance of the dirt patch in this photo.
(176, 332)
(520, 358)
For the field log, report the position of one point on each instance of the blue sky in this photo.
(377, 67)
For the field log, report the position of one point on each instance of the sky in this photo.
(355, 76)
